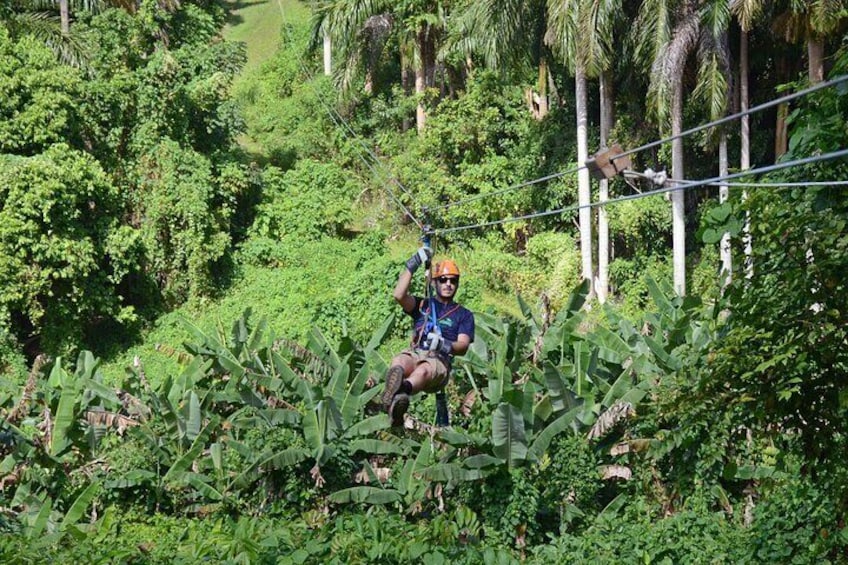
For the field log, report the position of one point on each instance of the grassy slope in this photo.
(259, 24)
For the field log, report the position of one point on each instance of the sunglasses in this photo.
(444, 280)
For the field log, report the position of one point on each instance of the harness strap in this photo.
(432, 322)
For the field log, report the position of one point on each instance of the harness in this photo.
(432, 324)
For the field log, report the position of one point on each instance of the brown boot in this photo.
(398, 408)
(394, 378)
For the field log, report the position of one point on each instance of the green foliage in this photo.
(641, 227)
(798, 523)
(286, 116)
(306, 202)
(474, 145)
(38, 95)
(63, 253)
(783, 353)
(628, 278)
(183, 225)
(570, 482)
(634, 535)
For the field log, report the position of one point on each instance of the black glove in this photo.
(435, 342)
(422, 256)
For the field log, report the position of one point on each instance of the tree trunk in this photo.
(405, 81)
(678, 208)
(815, 59)
(543, 88)
(745, 133)
(724, 246)
(584, 192)
(607, 120)
(328, 54)
(745, 144)
(64, 17)
(420, 89)
(423, 73)
(780, 132)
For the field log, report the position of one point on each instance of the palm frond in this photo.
(667, 69)
(746, 11)
(713, 77)
(70, 49)
(825, 15)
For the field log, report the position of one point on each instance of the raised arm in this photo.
(401, 292)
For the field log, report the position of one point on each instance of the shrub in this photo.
(184, 225)
(63, 253)
(308, 201)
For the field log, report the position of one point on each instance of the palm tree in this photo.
(667, 32)
(38, 18)
(507, 35)
(813, 22)
(360, 28)
(577, 31)
(746, 12)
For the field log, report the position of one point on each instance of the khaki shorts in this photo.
(440, 371)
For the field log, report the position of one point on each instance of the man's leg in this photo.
(417, 381)
(401, 366)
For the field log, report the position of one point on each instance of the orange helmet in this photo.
(445, 268)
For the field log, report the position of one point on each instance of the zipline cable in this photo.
(681, 186)
(800, 184)
(342, 124)
(714, 123)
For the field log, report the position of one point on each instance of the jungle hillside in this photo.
(205, 206)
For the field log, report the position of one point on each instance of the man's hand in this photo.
(436, 342)
(421, 257)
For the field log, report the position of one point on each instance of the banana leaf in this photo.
(350, 402)
(543, 439)
(78, 507)
(481, 461)
(39, 524)
(278, 460)
(199, 483)
(64, 419)
(509, 441)
(375, 447)
(197, 447)
(366, 495)
(454, 472)
(337, 386)
(368, 426)
(459, 439)
(380, 334)
(131, 479)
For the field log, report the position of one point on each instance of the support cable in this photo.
(712, 124)
(681, 186)
(800, 184)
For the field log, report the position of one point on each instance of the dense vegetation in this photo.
(196, 261)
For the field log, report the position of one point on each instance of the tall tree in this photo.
(507, 35)
(360, 29)
(667, 33)
(811, 22)
(747, 12)
(577, 31)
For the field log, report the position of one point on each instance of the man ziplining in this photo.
(441, 329)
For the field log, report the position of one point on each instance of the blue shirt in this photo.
(453, 319)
